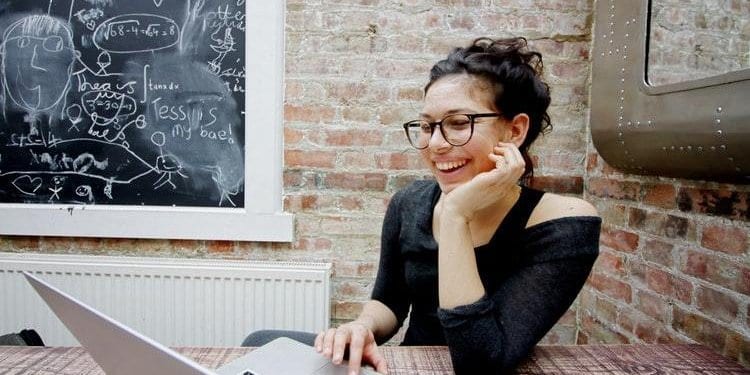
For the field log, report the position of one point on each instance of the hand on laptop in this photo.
(333, 342)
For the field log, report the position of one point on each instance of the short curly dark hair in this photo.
(515, 72)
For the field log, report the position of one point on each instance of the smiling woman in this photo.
(486, 265)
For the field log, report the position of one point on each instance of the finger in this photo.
(328, 342)
(512, 156)
(319, 341)
(339, 345)
(377, 360)
(355, 352)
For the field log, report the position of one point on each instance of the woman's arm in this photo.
(380, 317)
(494, 333)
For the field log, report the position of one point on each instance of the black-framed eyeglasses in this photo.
(456, 129)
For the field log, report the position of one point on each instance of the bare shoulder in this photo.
(554, 206)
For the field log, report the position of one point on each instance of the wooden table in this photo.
(582, 359)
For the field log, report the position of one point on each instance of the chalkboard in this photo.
(142, 118)
(126, 102)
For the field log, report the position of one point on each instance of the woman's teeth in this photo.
(446, 166)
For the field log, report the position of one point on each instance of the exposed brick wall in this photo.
(697, 39)
(354, 73)
(674, 263)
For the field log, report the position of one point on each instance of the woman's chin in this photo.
(447, 186)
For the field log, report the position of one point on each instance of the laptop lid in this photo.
(118, 349)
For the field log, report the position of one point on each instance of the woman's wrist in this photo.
(366, 321)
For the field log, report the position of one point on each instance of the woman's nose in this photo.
(437, 141)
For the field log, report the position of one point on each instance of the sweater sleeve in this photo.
(494, 333)
(390, 284)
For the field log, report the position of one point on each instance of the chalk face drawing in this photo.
(123, 102)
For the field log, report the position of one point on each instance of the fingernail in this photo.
(318, 348)
(352, 372)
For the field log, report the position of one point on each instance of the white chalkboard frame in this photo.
(262, 218)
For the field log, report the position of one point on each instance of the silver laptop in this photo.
(119, 349)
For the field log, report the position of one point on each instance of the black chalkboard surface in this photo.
(126, 102)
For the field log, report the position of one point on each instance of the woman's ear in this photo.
(517, 128)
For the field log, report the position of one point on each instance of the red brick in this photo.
(355, 160)
(301, 203)
(313, 243)
(717, 304)
(743, 282)
(718, 271)
(661, 195)
(354, 137)
(663, 282)
(293, 178)
(344, 268)
(701, 329)
(669, 285)
(28, 243)
(355, 181)
(292, 136)
(357, 114)
(653, 305)
(660, 224)
(347, 289)
(616, 214)
(610, 171)
(658, 252)
(52, 244)
(592, 162)
(351, 203)
(611, 287)
(605, 311)
(610, 263)
(400, 181)
(598, 333)
(308, 113)
(220, 246)
(315, 159)
(558, 184)
(608, 188)
(185, 245)
(724, 202)
(651, 332)
(398, 161)
(619, 239)
(730, 240)
(410, 93)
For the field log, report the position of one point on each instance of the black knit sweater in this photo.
(531, 277)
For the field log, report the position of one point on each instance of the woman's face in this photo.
(455, 165)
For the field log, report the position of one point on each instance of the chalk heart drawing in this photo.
(27, 185)
(158, 3)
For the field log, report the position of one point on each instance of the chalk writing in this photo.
(130, 102)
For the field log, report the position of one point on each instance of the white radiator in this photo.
(178, 302)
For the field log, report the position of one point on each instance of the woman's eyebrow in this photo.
(449, 112)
